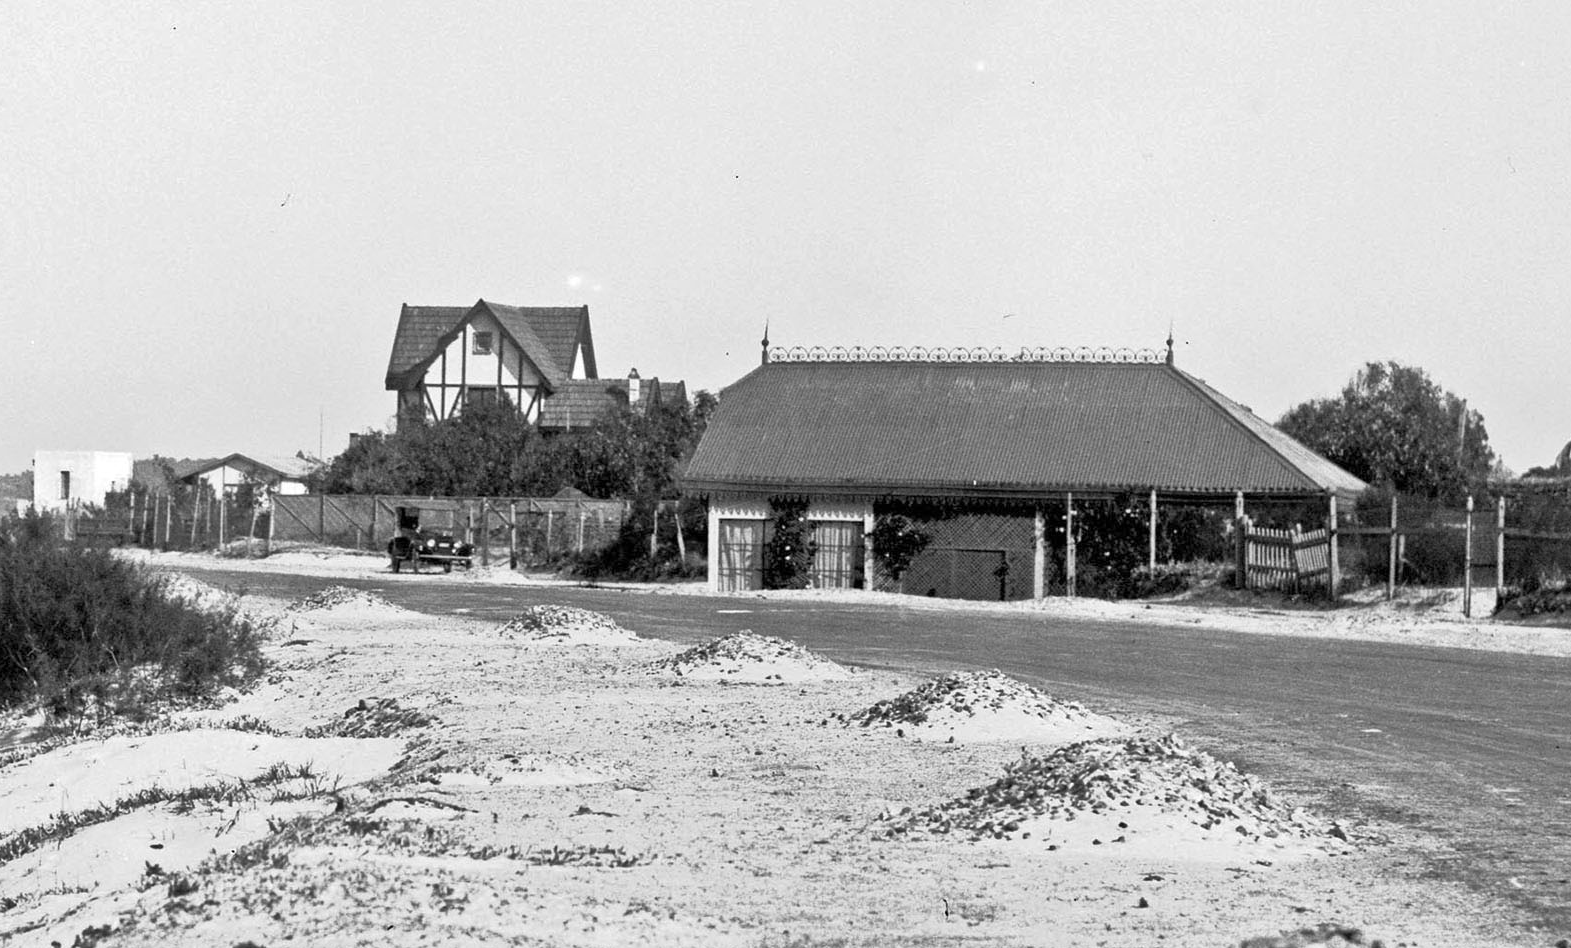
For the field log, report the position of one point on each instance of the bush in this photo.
(80, 629)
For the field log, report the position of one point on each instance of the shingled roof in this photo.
(548, 335)
(996, 429)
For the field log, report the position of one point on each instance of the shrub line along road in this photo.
(1473, 747)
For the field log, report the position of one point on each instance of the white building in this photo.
(63, 479)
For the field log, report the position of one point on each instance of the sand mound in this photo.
(754, 659)
(985, 706)
(340, 597)
(566, 624)
(1121, 788)
(201, 596)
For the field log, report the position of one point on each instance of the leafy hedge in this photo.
(81, 630)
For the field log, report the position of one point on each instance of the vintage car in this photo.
(414, 546)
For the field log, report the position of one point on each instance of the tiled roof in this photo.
(547, 334)
(579, 403)
(996, 429)
(582, 402)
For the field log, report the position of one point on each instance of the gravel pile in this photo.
(982, 706)
(1110, 776)
(747, 656)
(334, 597)
(374, 717)
(543, 623)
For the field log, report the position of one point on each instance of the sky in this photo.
(212, 212)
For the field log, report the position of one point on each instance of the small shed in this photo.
(997, 453)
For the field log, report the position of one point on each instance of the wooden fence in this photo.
(1291, 560)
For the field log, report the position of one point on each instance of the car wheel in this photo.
(396, 564)
(447, 567)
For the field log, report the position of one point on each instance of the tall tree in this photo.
(1394, 427)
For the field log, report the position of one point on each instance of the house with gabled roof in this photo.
(582, 402)
(446, 357)
(278, 474)
(993, 455)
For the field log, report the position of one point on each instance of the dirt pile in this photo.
(565, 624)
(1328, 935)
(1125, 787)
(984, 706)
(338, 597)
(755, 659)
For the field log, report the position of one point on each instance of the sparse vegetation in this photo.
(87, 635)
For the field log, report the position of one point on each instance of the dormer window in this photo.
(482, 343)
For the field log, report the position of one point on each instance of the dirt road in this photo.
(1472, 747)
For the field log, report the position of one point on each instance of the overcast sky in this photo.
(213, 211)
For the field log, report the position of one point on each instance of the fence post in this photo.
(321, 519)
(654, 531)
(251, 533)
(223, 522)
(272, 519)
(512, 534)
(1333, 559)
(169, 519)
(1500, 546)
(196, 513)
(1391, 551)
(1467, 563)
(1069, 544)
(549, 518)
(1295, 538)
(580, 505)
(681, 544)
(374, 504)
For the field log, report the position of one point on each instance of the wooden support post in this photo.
(250, 534)
(321, 516)
(1039, 555)
(1151, 536)
(1241, 548)
(1467, 563)
(1391, 554)
(223, 521)
(485, 532)
(374, 504)
(272, 521)
(512, 534)
(548, 519)
(1069, 544)
(196, 514)
(1333, 552)
(169, 519)
(580, 528)
(1500, 546)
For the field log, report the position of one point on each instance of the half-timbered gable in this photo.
(446, 357)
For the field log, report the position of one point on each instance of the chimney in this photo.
(634, 388)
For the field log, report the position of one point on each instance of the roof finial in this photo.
(1169, 342)
(765, 344)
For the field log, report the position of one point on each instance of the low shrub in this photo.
(83, 631)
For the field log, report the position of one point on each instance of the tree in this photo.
(1395, 428)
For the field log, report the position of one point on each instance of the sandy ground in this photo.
(400, 779)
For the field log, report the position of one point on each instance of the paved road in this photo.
(1473, 747)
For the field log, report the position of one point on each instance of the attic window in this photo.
(482, 343)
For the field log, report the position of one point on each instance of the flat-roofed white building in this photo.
(64, 479)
